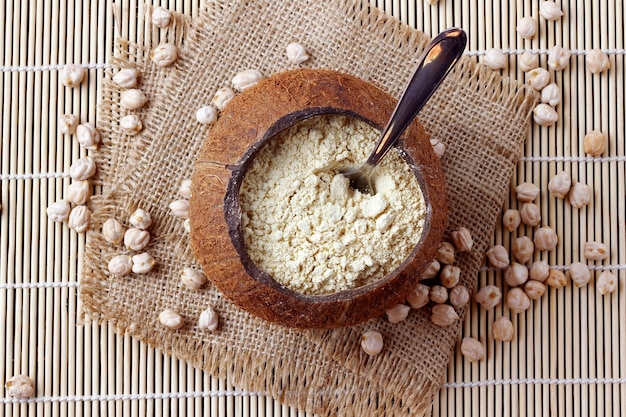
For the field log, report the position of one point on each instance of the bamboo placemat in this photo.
(566, 358)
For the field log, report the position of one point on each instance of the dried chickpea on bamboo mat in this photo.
(481, 117)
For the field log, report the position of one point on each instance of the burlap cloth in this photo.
(481, 117)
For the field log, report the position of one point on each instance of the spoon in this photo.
(434, 64)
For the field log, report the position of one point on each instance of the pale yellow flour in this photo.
(308, 229)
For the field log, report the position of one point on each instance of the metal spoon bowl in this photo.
(433, 66)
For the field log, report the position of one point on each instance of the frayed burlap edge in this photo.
(320, 371)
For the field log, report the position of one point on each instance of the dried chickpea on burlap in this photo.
(481, 150)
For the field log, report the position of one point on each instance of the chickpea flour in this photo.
(305, 226)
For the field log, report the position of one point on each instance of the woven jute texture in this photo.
(481, 117)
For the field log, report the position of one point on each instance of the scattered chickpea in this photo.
(180, 209)
(560, 184)
(527, 27)
(494, 59)
(462, 239)
(502, 329)
(549, 10)
(136, 239)
(595, 251)
(551, 94)
(131, 124)
(459, 296)
(545, 239)
(73, 75)
(488, 297)
(83, 168)
(445, 254)
(67, 124)
(78, 192)
(133, 99)
(187, 226)
(511, 219)
(594, 143)
(606, 283)
(515, 274)
(419, 297)
(161, 17)
(449, 276)
(208, 320)
(120, 265)
(296, 53)
(579, 195)
(222, 97)
(545, 115)
(597, 61)
(472, 349)
(185, 188)
(80, 218)
(20, 386)
(88, 136)
(206, 115)
(517, 301)
(530, 214)
(192, 278)
(579, 273)
(444, 315)
(432, 269)
(498, 257)
(126, 78)
(539, 271)
(372, 342)
(112, 231)
(528, 61)
(438, 294)
(398, 313)
(58, 211)
(534, 289)
(558, 58)
(246, 79)
(526, 192)
(164, 54)
(171, 319)
(143, 263)
(141, 219)
(538, 78)
(523, 249)
(556, 279)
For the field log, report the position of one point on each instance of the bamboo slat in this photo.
(570, 334)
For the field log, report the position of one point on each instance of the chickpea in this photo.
(438, 294)
(539, 271)
(449, 276)
(502, 329)
(472, 349)
(579, 274)
(545, 239)
(556, 279)
(444, 315)
(419, 297)
(530, 214)
(459, 296)
(498, 256)
(517, 301)
(523, 249)
(488, 297)
(511, 219)
(534, 289)
(515, 274)
(445, 254)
